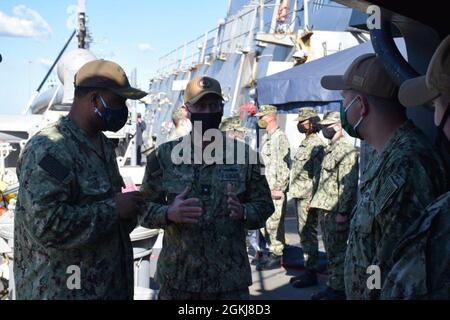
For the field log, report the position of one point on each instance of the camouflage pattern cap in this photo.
(305, 114)
(331, 117)
(232, 123)
(418, 91)
(265, 110)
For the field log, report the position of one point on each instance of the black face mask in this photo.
(112, 119)
(301, 128)
(207, 120)
(328, 133)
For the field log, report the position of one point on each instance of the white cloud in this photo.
(24, 22)
(145, 47)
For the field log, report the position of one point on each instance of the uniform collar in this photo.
(269, 135)
(398, 134)
(379, 159)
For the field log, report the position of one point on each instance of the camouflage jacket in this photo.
(210, 256)
(338, 184)
(422, 259)
(276, 156)
(66, 218)
(398, 184)
(306, 167)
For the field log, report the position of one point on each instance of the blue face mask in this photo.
(351, 129)
(112, 119)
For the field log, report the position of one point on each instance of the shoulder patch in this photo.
(388, 189)
(54, 168)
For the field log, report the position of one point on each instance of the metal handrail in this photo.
(228, 42)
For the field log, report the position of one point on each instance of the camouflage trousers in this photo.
(307, 230)
(335, 237)
(274, 230)
(166, 293)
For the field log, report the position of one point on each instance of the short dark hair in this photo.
(81, 92)
(315, 127)
(386, 106)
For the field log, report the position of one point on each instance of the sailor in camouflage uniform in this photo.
(306, 169)
(334, 200)
(404, 177)
(422, 259)
(181, 124)
(72, 223)
(204, 208)
(275, 153)
(234, 128)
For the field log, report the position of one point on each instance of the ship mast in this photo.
(82, 30)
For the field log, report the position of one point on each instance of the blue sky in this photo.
(134, 33)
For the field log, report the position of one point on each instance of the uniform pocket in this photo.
(240, 188)
(301, 156)
(177, 178)
(233, 175)
(94, 186)
(329, 164)
(176, 186)
(173, 187)
(361, 241)
(94, 189)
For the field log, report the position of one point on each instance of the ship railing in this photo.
(235, 35)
